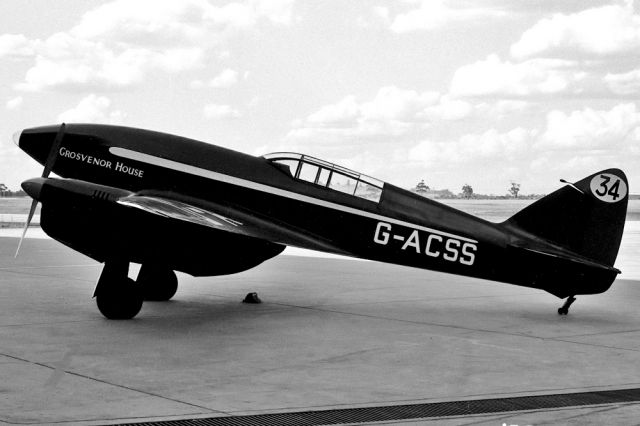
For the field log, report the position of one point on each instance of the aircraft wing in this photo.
(226, 218)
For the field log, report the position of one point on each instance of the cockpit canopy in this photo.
(328, 175)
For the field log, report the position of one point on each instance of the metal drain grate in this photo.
(414, 411)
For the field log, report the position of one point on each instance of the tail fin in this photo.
(586, 217)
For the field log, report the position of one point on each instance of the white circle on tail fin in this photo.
(608, 187)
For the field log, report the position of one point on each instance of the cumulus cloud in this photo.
(434, 14)
(92, 109)
(624, 83)
(616, 130)
(449, 109)
(381, 12)
(220, 112)
(392, 103)
(501, 108)
(276, 11)
(392, 112)
(16, 45)
(571, 144)
(491, 144)
(169, 22)
(341, 114)
(486, 159)
(494, 77)
(564, 55)
(117, 44)
(596, 32)
(225, 79)
(14, 103)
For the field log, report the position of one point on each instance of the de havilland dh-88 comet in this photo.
(171, 204)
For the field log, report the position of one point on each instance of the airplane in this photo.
(127, 195)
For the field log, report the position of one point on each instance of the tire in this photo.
(120, 300)
(158, 285)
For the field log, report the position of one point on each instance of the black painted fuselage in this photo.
(150, 197)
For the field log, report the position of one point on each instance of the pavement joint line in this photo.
(27, 274)
(5, 268)
(302, 364)
(428, 299)
(569, 336)
(455, 327)
(95, 379)
(30, 324)
(97, 422)
(590, 411)
(596, 345)
(412, 321)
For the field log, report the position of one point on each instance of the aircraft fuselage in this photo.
(400, 227)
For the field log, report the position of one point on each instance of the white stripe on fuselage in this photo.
(197, 171)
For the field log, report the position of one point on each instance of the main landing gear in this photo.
(158, 284)
(120, 297)
(564, 310)
(117, 295)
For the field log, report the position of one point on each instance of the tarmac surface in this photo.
(330, 333)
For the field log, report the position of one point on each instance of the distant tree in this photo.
(421, 188)
(467, 191)
(515, 188)
(3, 190)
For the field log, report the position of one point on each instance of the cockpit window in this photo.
(325, 174)
(368, 191)
(342, 183)
(323, 177)
(308, 172)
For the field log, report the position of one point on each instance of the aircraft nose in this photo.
(33, 187)
(36, 142)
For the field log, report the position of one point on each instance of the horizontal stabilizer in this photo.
(564, 255)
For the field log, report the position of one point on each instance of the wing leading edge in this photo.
(227, 219)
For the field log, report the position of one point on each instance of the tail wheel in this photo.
(564, 309)
(158, 284)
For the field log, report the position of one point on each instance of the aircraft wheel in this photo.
(120, 299)
(158, 284)
(564, 309)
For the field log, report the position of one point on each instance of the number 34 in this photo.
(608, 187)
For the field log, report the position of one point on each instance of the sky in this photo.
(479, 92)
